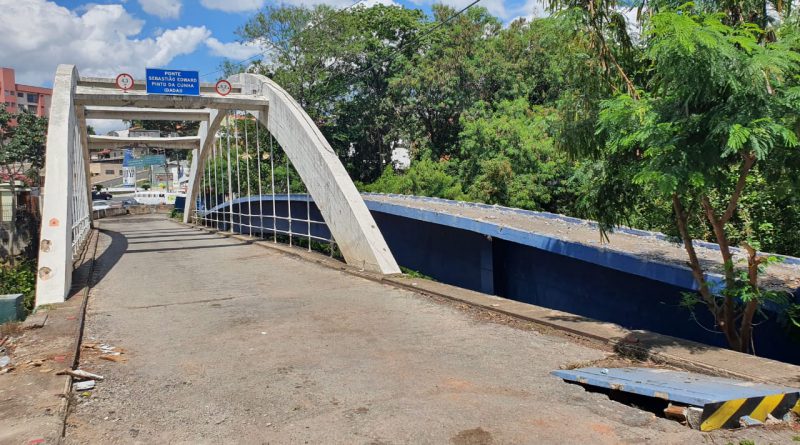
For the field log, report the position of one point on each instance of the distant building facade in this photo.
(20, 98)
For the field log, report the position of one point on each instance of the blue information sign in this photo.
(128, 160)
(177, 82)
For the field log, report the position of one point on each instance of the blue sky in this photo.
(106, 37)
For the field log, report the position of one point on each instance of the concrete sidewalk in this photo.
(33, 396)
(228, 342)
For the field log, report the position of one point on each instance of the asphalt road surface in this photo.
(226, 342)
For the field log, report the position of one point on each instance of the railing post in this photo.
(65, 213)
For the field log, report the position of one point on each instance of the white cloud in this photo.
(103, 126)
(233, 5)
(165, 9)
(533, 9)
(371, 3)
(102, 40)
(253, 5)
(632, 22)
(233, 50)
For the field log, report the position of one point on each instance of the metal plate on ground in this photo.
(723, 400)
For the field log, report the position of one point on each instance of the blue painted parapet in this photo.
(595, 282)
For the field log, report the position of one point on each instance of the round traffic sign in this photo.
(223, 87)
(124, 81)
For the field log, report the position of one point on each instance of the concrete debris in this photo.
(747, 421)
(84, 386)
(34, 363)
(107, 349)
(772, 420)
(4, 361)
(35, 321)
(674, 412)
(80, 374)
(694, 417)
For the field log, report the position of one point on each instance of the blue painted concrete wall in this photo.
(583, 280)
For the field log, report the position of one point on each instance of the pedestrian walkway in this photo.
(226, 342)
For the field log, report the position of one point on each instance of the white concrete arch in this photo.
(326, 179)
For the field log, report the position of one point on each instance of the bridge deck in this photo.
(228, 342)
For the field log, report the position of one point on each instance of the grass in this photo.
(411, 273)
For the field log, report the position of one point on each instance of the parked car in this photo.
(127, 202)
(100, 195)
(100, 204)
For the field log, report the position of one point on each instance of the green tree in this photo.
(425, 178)
(508, 157)
(719, 105)
(337, 65)
(22, 147)
(442, 78)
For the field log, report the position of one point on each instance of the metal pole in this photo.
(272, 169)
(230, 178)
(238, 178)
(207, 200)
(247, 178)
(216, 186)
(288, 197)
(308, 216)
(260, 197)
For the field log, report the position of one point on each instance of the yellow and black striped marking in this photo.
(726, 414)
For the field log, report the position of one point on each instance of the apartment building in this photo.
(23, 98)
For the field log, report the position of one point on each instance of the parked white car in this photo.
(100, 204)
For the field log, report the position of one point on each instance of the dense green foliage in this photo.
(20, 279)
(510, 114)
(687, 126)
(22, 148)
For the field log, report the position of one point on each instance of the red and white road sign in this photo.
(124, 81)
(223, 87)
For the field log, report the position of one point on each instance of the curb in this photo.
(90, 249)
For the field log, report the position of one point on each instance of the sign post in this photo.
(173, 82)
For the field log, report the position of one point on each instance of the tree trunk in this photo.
(697, 271)
(12, 260)
(746, 325)
(728, 321)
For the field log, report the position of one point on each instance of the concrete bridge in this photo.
(235, 330)
(228, 341)
(66, 212)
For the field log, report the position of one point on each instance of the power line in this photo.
(261, 54)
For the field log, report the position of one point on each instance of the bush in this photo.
(20, 279)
